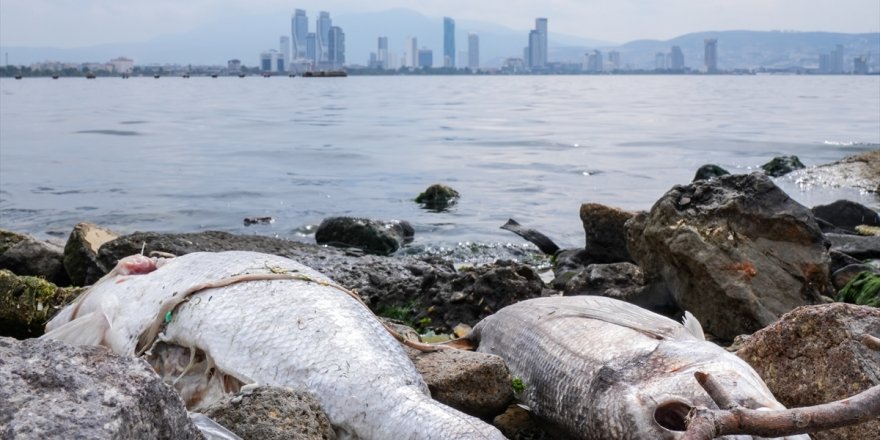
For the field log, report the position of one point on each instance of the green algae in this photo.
(27, 303)
(863, 290)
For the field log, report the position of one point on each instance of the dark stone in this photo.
(856, 246)
(814, 355)
(81, 253)
(606, 236)
(271, 413)
(846, 215)
(839, 260)
(623, 281)
(56, 391)
(782, 165)
(27, 303)
(844, 275)
(9, 239)
(710, 171)
(737, 255)
(438, 197)
(372, 236)
(249, 221)
(25, 255)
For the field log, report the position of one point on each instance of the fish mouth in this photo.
(672, 415)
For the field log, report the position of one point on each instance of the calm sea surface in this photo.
(186, 155)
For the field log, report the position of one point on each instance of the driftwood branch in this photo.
(544, 243)
(732, 419)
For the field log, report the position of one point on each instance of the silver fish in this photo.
(603, 369)
(297, 332)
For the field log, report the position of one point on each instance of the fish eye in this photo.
(672, 414)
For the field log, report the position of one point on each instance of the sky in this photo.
(77, 23)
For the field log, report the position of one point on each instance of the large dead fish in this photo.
(223, 322)
(603, 369)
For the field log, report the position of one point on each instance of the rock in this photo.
(25, 255)
(606, 236)
(248, 221)
(56, 391)
(710, 171)
(846, 215)
(782, 165)
(27, 303)
(735, 251)
(813, 355)
(272, 413)
(841, 277)
(840, 260)
(516, 423)
(81, 253)
(372, 236)
(856, 246)
(474, 383)
(863, 289)
(861, 171)
(438, 197)
(623, 281)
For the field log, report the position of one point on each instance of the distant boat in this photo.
(213, 75)
(124, 76)
(241, 75)
(17, 76)
(156, 76)
(90, 76)
(292, 75)
(54, 76)
(325, 74)
(267, 75)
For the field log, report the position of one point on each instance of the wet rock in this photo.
(846, 215)
(25, 255)
(474, 383)
(372, 236)
(27, 303)
(710, 171)
(56, 391)
(516, 423)
(856, 246)
(606, 237)
(623, 281)
(249, 221)
(271, 413)
(843, 276)
(813, 355)
(782, 165)
(840, 260)
(438, 197)
(863, 289)
(861, 171)
(738, 254)
(81, 253)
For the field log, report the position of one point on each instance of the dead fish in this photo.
(297, 330)
(603, 369)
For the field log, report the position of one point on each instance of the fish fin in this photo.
(89, 329)
(693, 325)
(620, 313)
(461, 344)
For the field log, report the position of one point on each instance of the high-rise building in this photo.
(299, 30)
(537, 50)
(285, 47)
(837, 59)
(322, 31)
(710, 55)
(448, 42)
(382, 53)
(676, 59)
(614, 59)
(593, 61)
(659, 61)
(272, 61)
(335, 48)
(233, 65)
(312, 47)
(413, 52)
(426, 58)
(473, 51)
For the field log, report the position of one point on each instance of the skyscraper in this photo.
(426, 58)
(614, 59)
(473, 51)
(322, 32)
(335, 48)
(538, 44)
(837, 59)
(312, 48)
(285, 48)
(382, 53)
(413, 52)
(676, 59)
(448, 42)
(299, 30)
(711, 55)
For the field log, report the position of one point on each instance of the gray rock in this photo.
(51, 390)
(81, 253)
(840, 260)
(846, 215)
(814, 355)
(710, 171)
(474, 383)
(271, 413)
(856, 246)
(861, 171)
(29, 256)
(736, 252)
(623, 281)
(606, 236)
(782, 165)
(371, 236)
(438, 197)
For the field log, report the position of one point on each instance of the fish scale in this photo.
(290, 333)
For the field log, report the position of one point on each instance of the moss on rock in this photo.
(26, 303)
(9, 239)
(863, 290)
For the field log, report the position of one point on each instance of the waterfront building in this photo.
(473, 51)
(285, 47)
(322, 31)
(122, 64)
(676, 59)
(426, 58)
(448, 42)
(710, 55)
(335, 48)
(382, 53)
(860, 65)
(614, 60)
(537, 50)
(413, 51)
(233, 65)
(837, 59)
(659, 61)
(272, 61)
(312, 48)
(299, 31)
(593, 62)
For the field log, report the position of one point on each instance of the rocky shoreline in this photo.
(752, 264)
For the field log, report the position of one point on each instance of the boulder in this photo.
(856, 246)
(371, 236)
(846, 215)
(623, 281)
(517, 423)
(9, 239)
(606, 236)
(735, 251)
(863, 289)
(814, 355)
(272, 413)
(81, 253)
(27, 303)
(474, 383)
(56, 391)
(840, 260)
(438, 197)
(710, 171)
(841, 277)
(25, 255)
(782, 165)
(860, 171)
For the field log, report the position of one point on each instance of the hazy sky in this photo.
(70, 23)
